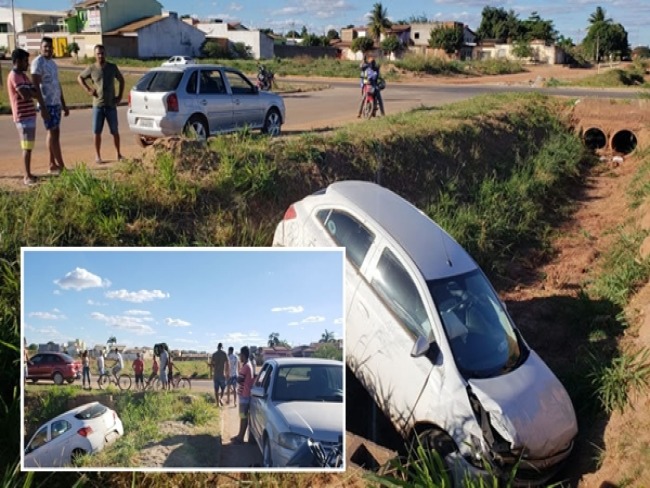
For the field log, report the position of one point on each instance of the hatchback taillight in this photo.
(85, 431)
(290, 214)
(172, 103)
(129, 99)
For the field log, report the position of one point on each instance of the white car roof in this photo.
(435, 253)
(306, 361)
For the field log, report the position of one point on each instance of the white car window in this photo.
(395, 286)
(60, 427)
(346, 231)
(38, 440)
(239, 84)
(211, 82)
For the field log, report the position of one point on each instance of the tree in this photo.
(605, 38)
(214, 50)
(292, 34)
(327, 336)
(498, 24)
(241, 50)
(522, 49)
(73, 49)
(333, 34)
(313, 40)
(378, 23)
(274, 339)
(448, 38)
(599, 15)
(111, 341)
(391, 44)
(329, 351)
(304, 33)
(537, 28)
(363, 44)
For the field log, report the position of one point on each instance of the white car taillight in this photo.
(85, 431)
(172, 103)
(290, 214)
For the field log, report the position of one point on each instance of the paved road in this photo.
(305, 111)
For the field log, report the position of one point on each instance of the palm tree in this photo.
(599, 16)
(378, 22)
(327, 336)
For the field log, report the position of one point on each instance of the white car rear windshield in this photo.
(159, 81)
(91, 412)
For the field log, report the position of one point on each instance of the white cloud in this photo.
(310, 9)
(96, 303)
(293, 309)
(338, 321)
(312, 319)
(235, 7)
(124, 322)
(186, 341)
(293, 323)
(238, 339)
(80, 279)
(54, 315)
(137, 296)
(137, 312)
(177, 322)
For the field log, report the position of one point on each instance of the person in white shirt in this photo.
(119, 363)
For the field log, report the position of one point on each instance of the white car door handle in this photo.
(204, 102)
(236, 101)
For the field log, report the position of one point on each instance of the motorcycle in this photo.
(265, 78)
(312, 455)
(369, 108)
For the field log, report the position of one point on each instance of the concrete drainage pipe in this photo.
(624, 142)
(594, 138)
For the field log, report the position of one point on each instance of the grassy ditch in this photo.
(633, 75)
(495, 171)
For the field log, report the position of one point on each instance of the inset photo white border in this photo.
(122, 304)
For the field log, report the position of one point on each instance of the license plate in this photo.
(146, 122)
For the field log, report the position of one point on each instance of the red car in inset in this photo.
(54, 366)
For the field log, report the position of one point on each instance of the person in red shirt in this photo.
(138, 367)
(22, 92)
(245, 380)
(154, 371)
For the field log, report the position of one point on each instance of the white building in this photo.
(22, 19)
(261, 45)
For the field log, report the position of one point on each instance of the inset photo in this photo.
(183, 359)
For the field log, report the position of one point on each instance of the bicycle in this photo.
(123, 381)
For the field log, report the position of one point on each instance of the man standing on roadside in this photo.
(164, 363)
(103, 75)
(231, 382)
(219, 361)
(245, 383)
(21, 92)
(45, 74)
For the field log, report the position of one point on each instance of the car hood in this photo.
(529, 408)
(321, 421)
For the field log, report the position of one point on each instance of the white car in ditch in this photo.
(83, 430)
(428, 337)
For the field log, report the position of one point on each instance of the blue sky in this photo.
(569, 16)
(191, 299)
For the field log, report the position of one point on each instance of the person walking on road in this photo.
(100, 363)
(21, 92)
(219, 362)
(245, 383)
(231, 382)
(154, 371)
(45, 74)
(103, 76)
(164, 362)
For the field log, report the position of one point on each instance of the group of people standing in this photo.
(233, 374)
(45, 88)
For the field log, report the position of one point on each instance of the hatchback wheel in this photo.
(272, 123)
(144, 141)
(267, 460)
(58, 378)
(197, 128)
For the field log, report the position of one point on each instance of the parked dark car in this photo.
(54, 366)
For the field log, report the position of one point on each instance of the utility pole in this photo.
(13, 21)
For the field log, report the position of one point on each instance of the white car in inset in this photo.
(430, 340)
(293, 400)
(178, 61)
(82, 430)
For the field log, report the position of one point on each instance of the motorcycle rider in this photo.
(370, 76)
(264, 78)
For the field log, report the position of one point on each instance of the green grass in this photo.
(609, 78)
(451, 162)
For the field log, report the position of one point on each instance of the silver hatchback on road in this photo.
(201, 99)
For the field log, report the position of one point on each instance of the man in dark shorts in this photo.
(103, 75)
(219, 362)
(45, 74)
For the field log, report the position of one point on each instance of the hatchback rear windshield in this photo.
(91, 412)
(159, 81)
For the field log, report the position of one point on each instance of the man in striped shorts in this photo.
(21, 92)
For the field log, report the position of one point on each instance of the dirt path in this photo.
(236, 455)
